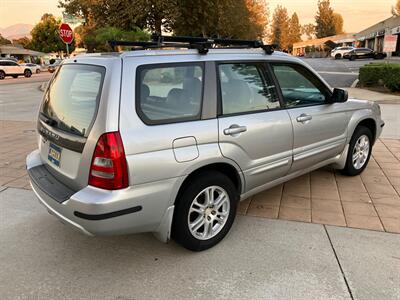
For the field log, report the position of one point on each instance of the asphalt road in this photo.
(341, 72)
(41, 77)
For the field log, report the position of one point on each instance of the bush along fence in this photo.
(381, 74)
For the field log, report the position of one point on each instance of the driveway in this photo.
(259, 259)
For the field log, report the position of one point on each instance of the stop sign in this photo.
(66, 33)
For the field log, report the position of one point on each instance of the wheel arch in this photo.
(223, 167)
(370, 123)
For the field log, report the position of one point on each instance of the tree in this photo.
(294, 35)
(45, 37)
(221, 18)
(280, 28)
(396, 9)
(338, 23)
(308, 30)
(4, 41)
(258, 18)
(23, 42)
(324, 20)
(150, 14)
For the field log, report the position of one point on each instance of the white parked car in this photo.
(11, 68)
(339, 52)
(33, 67)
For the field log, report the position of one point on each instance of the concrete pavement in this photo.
(260, 258)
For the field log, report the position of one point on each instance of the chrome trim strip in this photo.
(315, 151)
(270, 166)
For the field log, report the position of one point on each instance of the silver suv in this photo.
(168, 141)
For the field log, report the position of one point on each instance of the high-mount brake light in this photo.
(109, 169)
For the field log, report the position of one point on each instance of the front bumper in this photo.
(94, 211)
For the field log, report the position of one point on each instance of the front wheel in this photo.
(205, 211)
(338, 56)
(359, 151)
(352, 58)
(2, 75)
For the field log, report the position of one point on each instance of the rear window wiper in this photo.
(49, 121)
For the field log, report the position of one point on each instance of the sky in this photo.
(357, 14)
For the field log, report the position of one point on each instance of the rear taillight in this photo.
(109, 169)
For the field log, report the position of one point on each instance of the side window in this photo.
(170, 93)
(245, 88)
(300, 87)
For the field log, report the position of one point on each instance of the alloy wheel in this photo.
(360, 152)
(208, 213)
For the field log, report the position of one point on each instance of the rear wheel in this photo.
(37, 71)
(359, 151)
(338, 56)
(352, 57)
(27, 73)
(2, 75)
(205, 211)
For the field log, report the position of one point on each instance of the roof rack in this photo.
(199, 43)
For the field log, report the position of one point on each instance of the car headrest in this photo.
(144, 92)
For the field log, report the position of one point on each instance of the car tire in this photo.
(37, 71)
(360, 149)
(14, 76)
(2, 75)
(194, 215)
(27, 73)
(338, 56)
(352, 58)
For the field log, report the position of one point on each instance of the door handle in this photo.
(304, 118)
(234, 130)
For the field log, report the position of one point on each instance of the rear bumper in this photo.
(95, 211)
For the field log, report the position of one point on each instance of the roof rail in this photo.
(199, 43)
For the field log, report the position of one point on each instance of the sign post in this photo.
(66, 35)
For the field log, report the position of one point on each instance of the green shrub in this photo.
(381, 73)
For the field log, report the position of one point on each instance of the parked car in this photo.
(11, 68)
(33, 67)
(364, 53)
(339, 52)
(123, 150)
(53, 67)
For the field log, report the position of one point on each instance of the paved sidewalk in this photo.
(365, 94)
(259, 259)
(370, 201)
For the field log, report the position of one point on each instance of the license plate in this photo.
(54, 154)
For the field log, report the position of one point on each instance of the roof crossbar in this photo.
(199, 43)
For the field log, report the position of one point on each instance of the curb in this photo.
(354, 84)
(42, 87)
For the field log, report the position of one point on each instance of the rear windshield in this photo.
(71, 101)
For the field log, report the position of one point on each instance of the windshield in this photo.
(70, 103)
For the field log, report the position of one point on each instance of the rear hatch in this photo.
(66, 118)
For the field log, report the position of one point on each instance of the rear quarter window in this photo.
(169, 93)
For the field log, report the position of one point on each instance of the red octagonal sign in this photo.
(66, 33)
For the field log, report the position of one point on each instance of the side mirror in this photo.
(339, 96)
